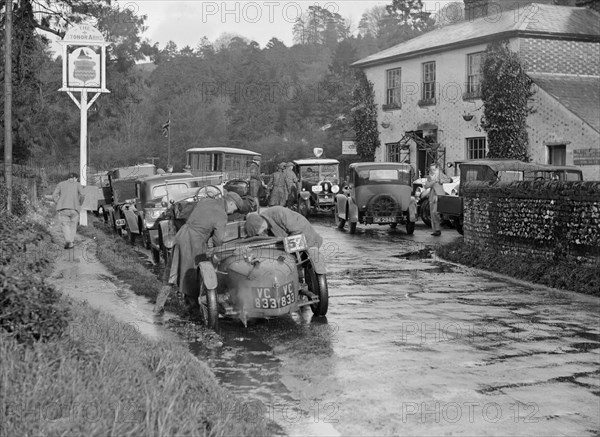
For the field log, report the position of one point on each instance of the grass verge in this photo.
(563, 275)
(104, 378)
(95, 376)
(123, 262)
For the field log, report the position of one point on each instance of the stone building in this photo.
(428, 88)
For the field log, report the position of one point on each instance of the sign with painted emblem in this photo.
(349, 148)
(84, 59)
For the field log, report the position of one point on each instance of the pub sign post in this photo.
(84, 70)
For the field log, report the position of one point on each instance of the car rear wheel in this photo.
(426, 212)
(212, 320)
(458, 224)
(393, 225)
(317, 284)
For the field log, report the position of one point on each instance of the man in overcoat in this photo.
(207, 220)
(279, 192)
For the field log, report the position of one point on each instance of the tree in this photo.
(364, 118)
(505, 90)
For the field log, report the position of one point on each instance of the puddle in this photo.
(249, 367)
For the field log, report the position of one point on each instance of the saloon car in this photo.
(318, 185)
(377, 193)
(495, 170)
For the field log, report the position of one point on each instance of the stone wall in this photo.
(538, 220)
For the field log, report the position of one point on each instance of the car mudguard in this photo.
(352, 211)
(317, 259)
(412, 210)
(340, 209)
(132, 222)
(209, 275)
(168, 232)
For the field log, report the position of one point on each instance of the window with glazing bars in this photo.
(393, 79)
(474, 74)
(476, 148)
(428, 81)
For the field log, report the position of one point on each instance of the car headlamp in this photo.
(335, 189)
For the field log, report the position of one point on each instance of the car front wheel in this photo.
(304, 207)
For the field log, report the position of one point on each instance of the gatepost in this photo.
(84, 69)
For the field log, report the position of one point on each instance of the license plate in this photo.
(120, 222)
(383, 219)
(272, 297)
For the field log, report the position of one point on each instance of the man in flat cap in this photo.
(282, 222)
(207, 220)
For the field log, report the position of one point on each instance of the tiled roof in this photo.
(578, 94)
(539, 19)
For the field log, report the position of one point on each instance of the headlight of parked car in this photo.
(335, 189)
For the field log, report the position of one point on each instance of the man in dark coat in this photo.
(207, 220)
(281, 222)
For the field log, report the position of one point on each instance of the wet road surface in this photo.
(417, 346)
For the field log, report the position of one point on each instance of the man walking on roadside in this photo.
(434, 182)
(67, 196)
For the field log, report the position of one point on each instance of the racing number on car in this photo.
(268, 296)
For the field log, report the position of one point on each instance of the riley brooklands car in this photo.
(377, 193)
(262, 277)
(318, 185)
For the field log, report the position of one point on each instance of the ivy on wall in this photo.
(505, 91)
(364, 118)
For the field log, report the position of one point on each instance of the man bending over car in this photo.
(281, 222)
(207, 220)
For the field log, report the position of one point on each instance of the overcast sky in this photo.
(186, 21)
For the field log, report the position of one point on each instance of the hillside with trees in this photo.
(277, 100)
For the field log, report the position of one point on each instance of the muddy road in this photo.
(413, 345)
(416, 346)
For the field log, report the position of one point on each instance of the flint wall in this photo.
(537, 220)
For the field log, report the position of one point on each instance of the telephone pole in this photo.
(8, 104)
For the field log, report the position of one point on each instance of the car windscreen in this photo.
(329, 172)
(161, 190)
(384, 176)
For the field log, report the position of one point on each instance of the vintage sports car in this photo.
(262, 277)
(377, 193)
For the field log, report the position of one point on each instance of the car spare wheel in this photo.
(383, 205)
